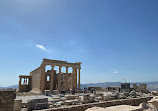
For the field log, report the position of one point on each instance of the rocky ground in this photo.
(141, 107)
(116, 108)
(151, 105)
(58, 100)
(82, 98)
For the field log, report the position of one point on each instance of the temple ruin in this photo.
(38, 79)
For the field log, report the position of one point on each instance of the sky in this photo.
(114, 39)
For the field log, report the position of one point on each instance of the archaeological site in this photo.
(52, 90)
(78, 55)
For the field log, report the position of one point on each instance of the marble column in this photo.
(73, 73)
(24, 81)
(79, 78)
(66, 79)
(59, 79)
(75, 78)
(52, 79)
(19, 80)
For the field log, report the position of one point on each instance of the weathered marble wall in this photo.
(36, 77)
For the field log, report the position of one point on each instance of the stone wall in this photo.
(140, 88)
(134, 101)
(7, 100)
(24, 88)
(36, 77)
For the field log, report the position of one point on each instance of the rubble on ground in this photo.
(33, 102)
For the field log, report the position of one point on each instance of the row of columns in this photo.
(25, 82)
(74, 78)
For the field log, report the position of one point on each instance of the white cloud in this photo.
(116, 72)
(42, 48)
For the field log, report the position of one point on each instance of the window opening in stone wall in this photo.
(48, 78)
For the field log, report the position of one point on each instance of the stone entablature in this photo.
(61, 63)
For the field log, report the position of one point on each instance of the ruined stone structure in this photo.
(40, 80)
(140, 88)
(93, 88)
(113, 89)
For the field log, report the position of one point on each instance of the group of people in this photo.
(72, 91)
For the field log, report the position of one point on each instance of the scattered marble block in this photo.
(17, 105)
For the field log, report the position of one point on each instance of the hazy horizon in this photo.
(100, 83)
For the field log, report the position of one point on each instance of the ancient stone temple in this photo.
(40, 80)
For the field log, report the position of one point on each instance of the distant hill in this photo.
(103, 85)
(13, 87)
(151, 86)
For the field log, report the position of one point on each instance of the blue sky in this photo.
(114, 39)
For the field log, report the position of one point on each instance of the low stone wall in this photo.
(7, 100)
(83, 107)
